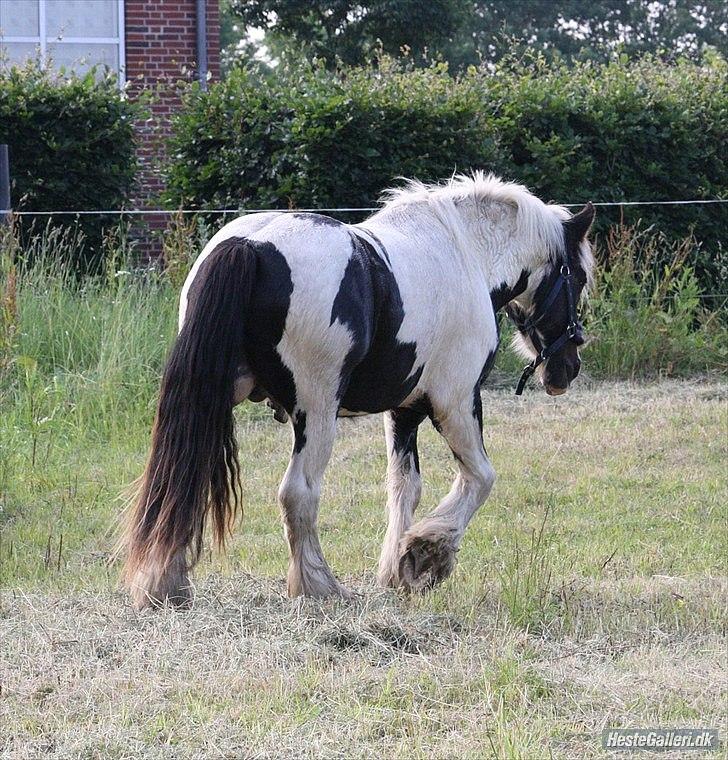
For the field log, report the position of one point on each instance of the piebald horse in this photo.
(396, 315)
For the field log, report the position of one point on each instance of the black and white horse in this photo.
(326, 319)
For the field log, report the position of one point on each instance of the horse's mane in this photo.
(539, 225)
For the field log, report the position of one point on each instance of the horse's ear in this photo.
(578, 226)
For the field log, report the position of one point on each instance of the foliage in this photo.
(349, 31)
(306, 137)
(466, 32)
(648, 315)
(623, 132)
(71, 146)
(578, 30)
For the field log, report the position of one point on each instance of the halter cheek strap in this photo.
(528, 326)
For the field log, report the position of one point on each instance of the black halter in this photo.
(572, 331)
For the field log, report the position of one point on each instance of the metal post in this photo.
(202, 43)
(4, 184)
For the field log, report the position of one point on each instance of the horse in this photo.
(394, 316)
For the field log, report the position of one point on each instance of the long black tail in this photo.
(193, 468)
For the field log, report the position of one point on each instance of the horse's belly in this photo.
(382, 381)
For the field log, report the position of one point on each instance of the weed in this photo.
(651, 320)
(525, 580)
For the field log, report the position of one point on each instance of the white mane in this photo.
(536, 227)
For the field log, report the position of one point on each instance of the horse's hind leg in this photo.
(308, 572)
(404, 487)
(428, 549)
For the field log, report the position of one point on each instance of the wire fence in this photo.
(333, 209)
(143, 212)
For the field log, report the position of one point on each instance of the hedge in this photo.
(308, 138)
(71, 145)
(620, 131)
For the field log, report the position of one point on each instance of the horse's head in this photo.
(549, 333)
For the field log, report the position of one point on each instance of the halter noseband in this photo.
(528, 326)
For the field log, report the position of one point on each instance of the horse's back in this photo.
(342, 315)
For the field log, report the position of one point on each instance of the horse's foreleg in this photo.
(404, 487)
(308, 572)
(428, 548)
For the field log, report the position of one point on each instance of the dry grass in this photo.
(615, 616)
(248, 673)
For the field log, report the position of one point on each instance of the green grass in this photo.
(590, 589)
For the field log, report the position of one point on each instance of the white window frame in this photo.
(42, 39)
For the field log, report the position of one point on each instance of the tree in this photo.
(351, 31)
(468, 31)
(596, 28)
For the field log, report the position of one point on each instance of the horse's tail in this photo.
(193, 469)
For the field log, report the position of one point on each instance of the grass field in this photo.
(590, 591)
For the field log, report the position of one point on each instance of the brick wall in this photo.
(161, 52)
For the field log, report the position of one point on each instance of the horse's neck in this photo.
(493, 250)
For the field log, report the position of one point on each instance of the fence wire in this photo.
(338, 209)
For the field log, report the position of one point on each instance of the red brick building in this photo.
(167, 41)
(151, 44)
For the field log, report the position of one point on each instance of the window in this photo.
(74, 34)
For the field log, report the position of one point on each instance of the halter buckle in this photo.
(571, 329)
(565, 271)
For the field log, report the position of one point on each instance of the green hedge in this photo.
(71, 145)
(309, 138)
(621, 131)
(625, 132)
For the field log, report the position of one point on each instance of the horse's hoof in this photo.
(388, 578)
(153, 586)
(319, 586)
(180, 597)
(425, 562)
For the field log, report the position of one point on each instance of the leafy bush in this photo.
(71, 145)
(305, 137)
(650, 318)
(309, 138)
(624, 132)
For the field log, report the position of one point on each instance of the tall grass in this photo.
(88, 351)
(525, 580)
(80, 360)
(648, 319)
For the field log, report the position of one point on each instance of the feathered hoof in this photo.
(388, 577)
(425, 561)
(318, 584)
(150, 588)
